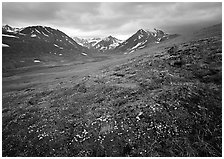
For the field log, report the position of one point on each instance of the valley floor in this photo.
(161, 101)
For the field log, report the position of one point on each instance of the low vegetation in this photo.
(164, 104)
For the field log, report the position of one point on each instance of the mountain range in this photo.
(99, 44)
(40, 44)
(139, 40)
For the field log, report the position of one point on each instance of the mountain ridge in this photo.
(139, 40)
(23, 46)
(142, 38)
(100, 44)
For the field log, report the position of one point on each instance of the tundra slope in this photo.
(162, 104)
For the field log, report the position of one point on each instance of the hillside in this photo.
(159, 101)
(215, 30)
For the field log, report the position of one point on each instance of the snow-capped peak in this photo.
(143, 38)
(141, 31)
(106, 39)
(95, 40)
(8, 28)
(111, 38)
(107, 43)
(100, 44)
(159, 32)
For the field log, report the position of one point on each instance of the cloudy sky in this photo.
(120, 19)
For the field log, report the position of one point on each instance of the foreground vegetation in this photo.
(164, 104)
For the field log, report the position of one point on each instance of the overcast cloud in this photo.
(94, 19)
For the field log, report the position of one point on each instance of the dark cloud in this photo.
(121, 19)
(28, 12)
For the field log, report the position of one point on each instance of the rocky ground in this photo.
(163, 104)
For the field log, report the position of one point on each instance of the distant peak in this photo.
(141, 31)
(95, 38)
(8, 28)
(6, 25)
(158, 30)
(36, 26)
(111, 37)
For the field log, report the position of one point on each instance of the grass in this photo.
(166, 104)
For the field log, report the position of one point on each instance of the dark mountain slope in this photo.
(143, 38)
(21, 48)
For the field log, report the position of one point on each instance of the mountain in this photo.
(22, 47)
(107, 44)
(7, 28)
(143, 38)
(89, 43)
(82, 42)
(93, 41)
(99, 44)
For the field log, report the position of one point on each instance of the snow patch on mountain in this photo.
(136, 46)
(140, 36)
(47, 30)
(36, 61)
(33, 35)
(56, 45)
(84, 54)
(94, 40)
(11, 36)
(37, 31)
(5, 45)
(45, 34)
(70, 42)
